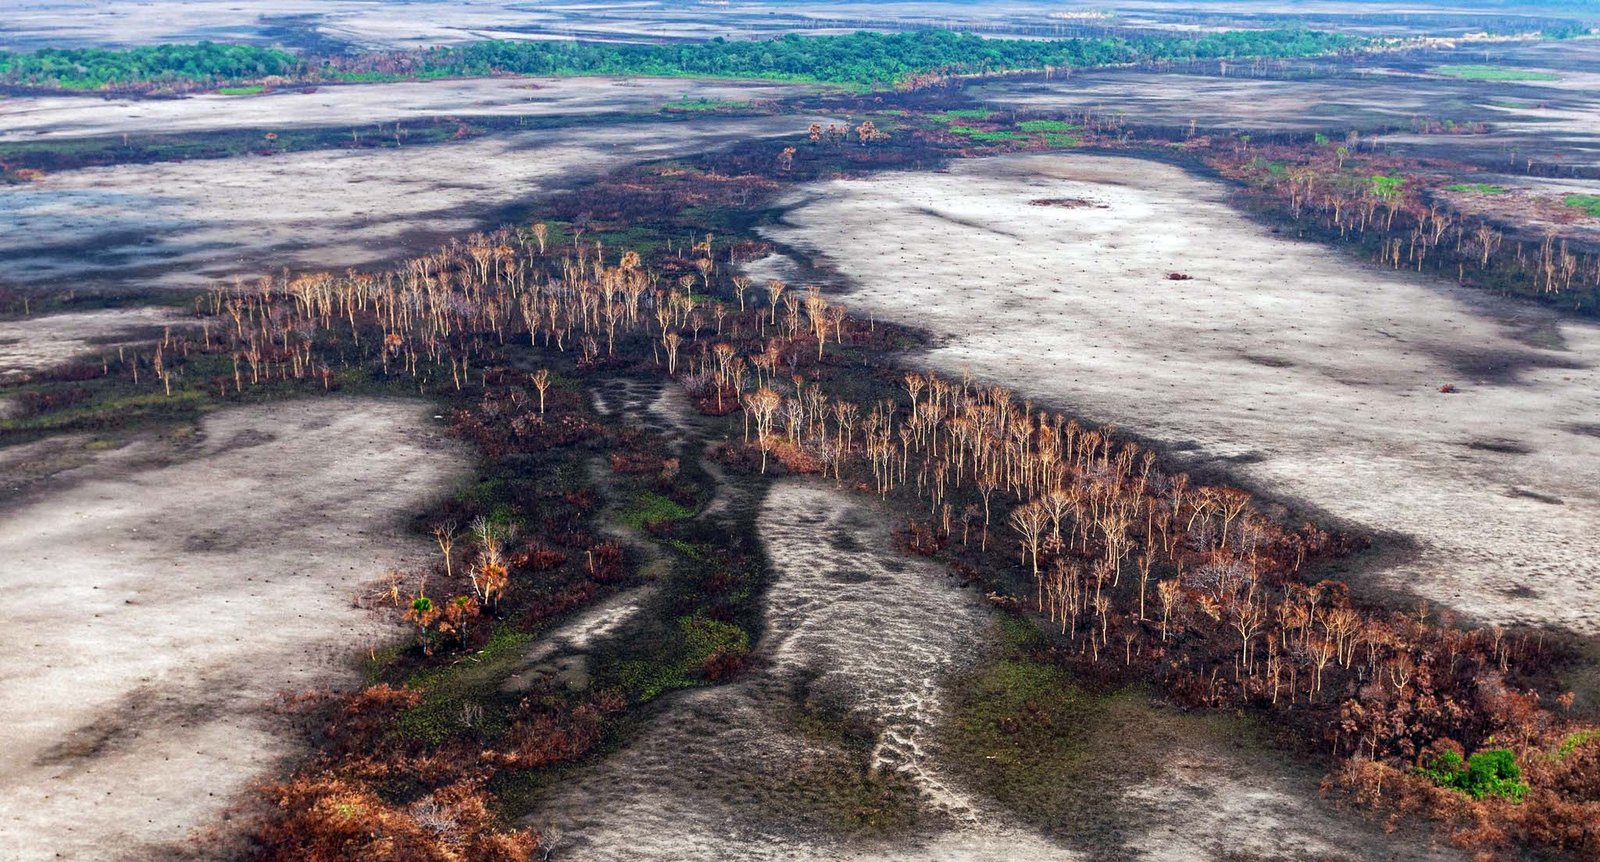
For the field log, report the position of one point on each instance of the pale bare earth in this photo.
(726, 773)
(190, 224)
(33, 343)
(167, 607)
(362, 106)
(1310, 375)
(1551, 122)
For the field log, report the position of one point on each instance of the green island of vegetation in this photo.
(1493, 73)
(856, 60)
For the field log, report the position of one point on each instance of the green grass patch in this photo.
(704, 105)
(998, 137)
(1477, 188)
(987, 137)
(250, 90)
(681, 658)
(468, 688)
(962, 114)
(704, 638)
(1472, 72)
(1022, 727)
(693, 552)
(648, 507)
(115, 407)
(1575, 741)
(1047, 126)
(1590, 204)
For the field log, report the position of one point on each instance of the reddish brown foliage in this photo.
(327, 818)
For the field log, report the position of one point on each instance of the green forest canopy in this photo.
(95, 68)
(860, 59)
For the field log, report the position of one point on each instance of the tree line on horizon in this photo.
(864, 59)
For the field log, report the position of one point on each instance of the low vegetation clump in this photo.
(1048, 133)
(1589, 204)
(703, 106)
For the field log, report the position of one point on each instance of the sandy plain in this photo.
(31, 344)
(1554, 123)
(191, 224)
(175, 588)
(360, 106)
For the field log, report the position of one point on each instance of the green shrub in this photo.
(1493, 772)
(1387, 187)
(652, 508)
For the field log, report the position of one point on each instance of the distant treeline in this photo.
(98, 68)
(868, 59)
(860, 59)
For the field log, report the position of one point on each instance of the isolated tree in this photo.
(763, 405)
(671, 341)
(445, 533)
(1169, 592)
(775, 289)
(423, 614)
(541, 382)
(1031, 521)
